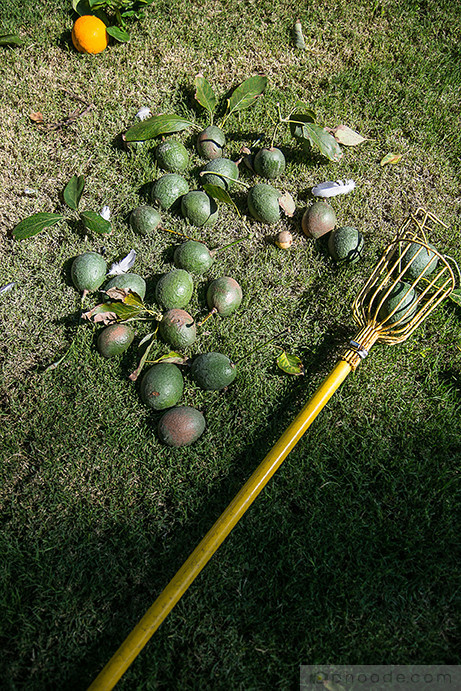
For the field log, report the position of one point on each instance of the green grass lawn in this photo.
(350, 555)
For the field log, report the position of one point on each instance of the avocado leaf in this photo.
(95, 223)
(73, 191)
(221, 195)
(32, 225)
(10, 40)
(291, 364)
(155, 126)
(316, 135)
(246, 93)
(204, 95)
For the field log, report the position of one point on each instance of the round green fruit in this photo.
(181, 426)
(213, 371)
(263, 203)
(345, 245)
(174, 289)
(402, 298)
(115, 339)
(128, 281)
(318, 219)
(269, 163)
(88, 271)
(211, 142)
(224, 295)
(172, 155)
(193, 256)
(419, 261)
(168, 190)
(224, 166)
(162, 386)
(144, 220)
(178, 328)
(199, 209)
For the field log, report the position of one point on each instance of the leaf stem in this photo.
(263, 345)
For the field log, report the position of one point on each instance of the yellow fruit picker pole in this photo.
(178, 585)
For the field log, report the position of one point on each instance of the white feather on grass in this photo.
(331, 189)
(124, 265)
(143, 113)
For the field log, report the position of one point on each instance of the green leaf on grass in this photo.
(455, 295)
(221, 195)
(204, 94)
(155, 126)
(10, 40)
(390, 158)
(134, 375)
(175, 358)
(319, 137)
(95, 223)
(291, 364)
(73, 191)
(119, 34)
(298, 119)
(32, 225)
(246, 93)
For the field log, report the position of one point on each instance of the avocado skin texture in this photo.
(88, 271)
(177, 328)
(263, 203)
(213, 371)
(225, 295)
(181, 426)
(162, 386)
(115, 339)
(345, 245)
(193, 256)
(128, 281)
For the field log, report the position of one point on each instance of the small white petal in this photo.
(105, 213)
(331, 189)
(124, 265)
(143, 113)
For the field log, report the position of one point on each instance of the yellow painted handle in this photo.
(178, 585)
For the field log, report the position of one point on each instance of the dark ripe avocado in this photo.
(181, 426)
(128, 281)
(177, 328)
(193, 256)
(224, 295)
(210, 142)
(115, 339)
(88, 271)
(213, 371)
(318, 220)
(162, 386)
(263, 203)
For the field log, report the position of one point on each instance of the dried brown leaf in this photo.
(287, 204)
(37, 118)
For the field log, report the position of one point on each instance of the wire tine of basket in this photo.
(418, 294)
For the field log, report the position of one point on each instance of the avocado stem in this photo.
(224, 177)
(230, 244)
(213, 311)
(263, 345)
(175, 232)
